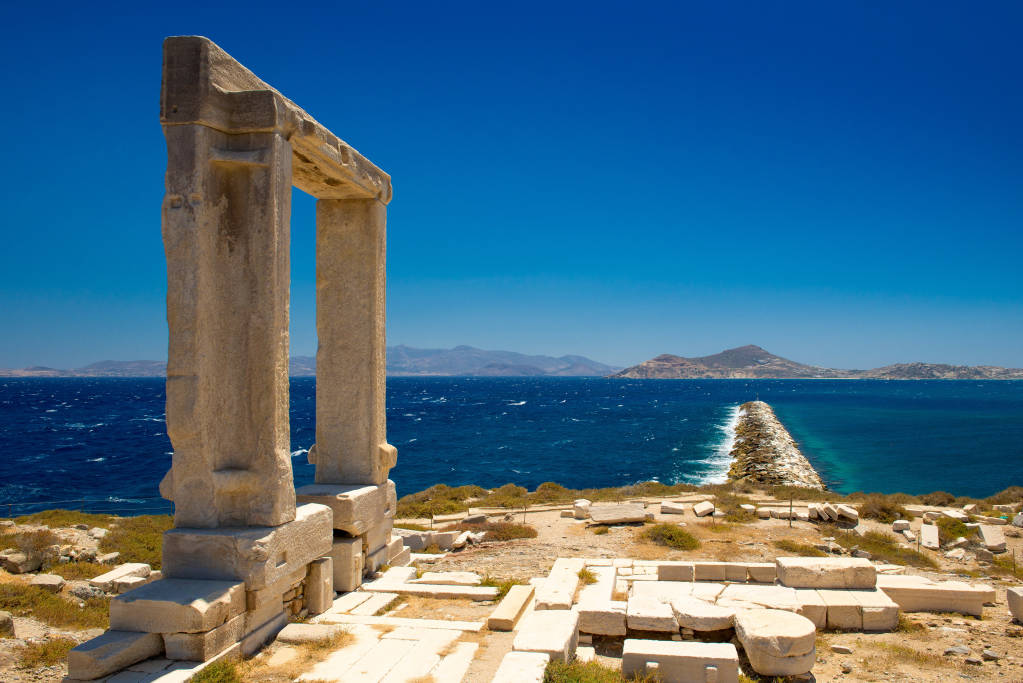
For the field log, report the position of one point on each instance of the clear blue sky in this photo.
(841, 183)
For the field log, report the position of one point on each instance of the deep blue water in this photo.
(104, 440)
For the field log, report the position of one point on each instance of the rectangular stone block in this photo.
(769, 596)
(648, 614)
(402, 559)
(918, 594)
(319, 587)
(522, 667)
(826, 572)
(510, 608)
(378, 534)
(356, 507)
(993, 538)
(200, 647)
(675, 571)
(558, 591)
(929, 536)
(812, 606)
(761, 572)
(256, 555)
(177, 606)
(394, 548)
(669, 508)
(711, 571)
(617, 514)
(844, 611)
(258, 598)
(111, 652)
(703, 508)
(1014, 596)
(879, 612)
(106, 581)
(375, 560)
(603, 617)
(347, 560)
(554, 632)
(686, 661)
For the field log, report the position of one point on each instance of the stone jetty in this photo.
(766, 454)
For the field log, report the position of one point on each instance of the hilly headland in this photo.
(754, 362)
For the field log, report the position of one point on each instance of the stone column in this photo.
(351, 439)
(226, 235)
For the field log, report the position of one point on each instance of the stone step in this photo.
(508, 611)
(554, 632)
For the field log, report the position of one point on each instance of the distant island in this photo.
(753, 362)
(402, 361)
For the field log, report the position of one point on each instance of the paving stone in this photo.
(602, 617)
(558, 591)
(649, 614)
(555, 632)
(376, 603)
(522, 667)
(918, 594)
(106, 581)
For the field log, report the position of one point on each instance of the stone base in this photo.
(349, 563)
(356, 507)
(259, 556)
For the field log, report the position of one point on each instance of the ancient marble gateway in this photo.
(247, 550)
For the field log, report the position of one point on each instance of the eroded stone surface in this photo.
(689, 661)
(111, 652)
(826, 572)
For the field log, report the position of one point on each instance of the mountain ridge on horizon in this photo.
(402, 361)
(754, 362)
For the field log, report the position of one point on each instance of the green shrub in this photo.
(29, 541)
(23, 601)
(138, 539)
(1013, 494)
(79, 570)
(950, 529)
(671, 536)
(549, 492)
(502, 585)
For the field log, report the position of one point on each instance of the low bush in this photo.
(138, 539)
(939, 498)
(600, 530)
(802, 549)
(496, 531)
(440, 499)
(50, 652)
(671, 536)
(1013, 494)
(881, 508)
(950, 529)
(23, 601)
(29, 541)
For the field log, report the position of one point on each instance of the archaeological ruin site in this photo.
(319, 584)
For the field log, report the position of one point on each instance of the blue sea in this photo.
(101, 444)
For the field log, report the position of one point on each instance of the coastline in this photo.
(765, 453)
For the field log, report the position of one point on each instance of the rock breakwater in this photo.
(765, 453)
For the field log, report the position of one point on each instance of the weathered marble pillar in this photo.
(226, 236)
(351, 437)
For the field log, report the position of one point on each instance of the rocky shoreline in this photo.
(765, 453)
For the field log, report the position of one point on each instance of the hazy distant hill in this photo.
(401, 361)
(754, 362)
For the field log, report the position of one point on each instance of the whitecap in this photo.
(95, 460)
(300, 451)
(520, 403)
(720, 458)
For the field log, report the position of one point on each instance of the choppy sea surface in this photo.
(101, 444)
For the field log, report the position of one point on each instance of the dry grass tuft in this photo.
(50, 652)
(23, 600)
(796, 548)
